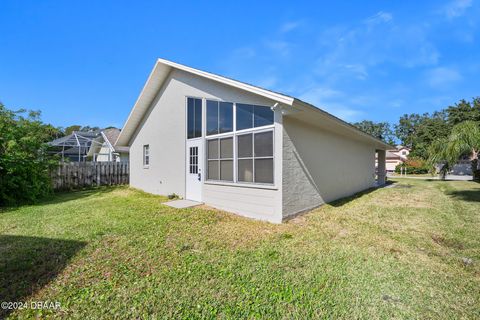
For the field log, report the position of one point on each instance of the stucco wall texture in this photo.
(320, 166)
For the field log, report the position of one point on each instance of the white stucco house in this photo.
(103, 149)
(241, 148)
(396, 156)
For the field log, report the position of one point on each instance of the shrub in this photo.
(413, 166)
(24, 164)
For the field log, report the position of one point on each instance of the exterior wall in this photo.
(391, 164)
(164, 130)
(320, 166)
(104, 154)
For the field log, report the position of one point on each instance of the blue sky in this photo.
(85, 62)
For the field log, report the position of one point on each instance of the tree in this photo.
(24, 163)
(380, 130)
(70, 129)
(464, 111)
(463, 140)
(419, 131)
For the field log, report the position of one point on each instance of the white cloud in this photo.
(379, 17)
(442, 77)
(289, 26)
(327, 99)
(282, 48)
(456, 8)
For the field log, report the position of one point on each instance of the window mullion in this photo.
(253, 155)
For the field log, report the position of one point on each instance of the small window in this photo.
(146, 155)
(255, 157)
(194, 118)
(252, 116)
(220, 159)
(219, 117)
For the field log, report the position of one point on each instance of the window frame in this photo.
(236, 182)
(219, 158)
(146, 156)
(202, 122)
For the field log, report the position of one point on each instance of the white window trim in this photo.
(145, 148)
(235, 159)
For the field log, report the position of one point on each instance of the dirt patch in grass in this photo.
(449, 243)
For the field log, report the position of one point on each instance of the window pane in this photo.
(212, 117)
(263, 116)
(244, 116)
(226, 148)
(264, 144)
(226, 170)
(190, 118)
(212, 146)
(245, 170)
(198, 118)
(226, 117)
(264, 170)
(244, 146)
(212, 169)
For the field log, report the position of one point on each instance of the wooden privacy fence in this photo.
(75, 175)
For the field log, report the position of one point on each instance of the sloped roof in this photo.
(163, 68)
(111, 134)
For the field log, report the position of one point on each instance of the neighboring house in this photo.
(241, 148)
(75, 146)
(396, 156)
(104, 150)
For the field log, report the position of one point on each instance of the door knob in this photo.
(199, 176)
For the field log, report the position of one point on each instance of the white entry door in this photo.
(194, 169)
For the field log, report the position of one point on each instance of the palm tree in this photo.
(437, 158)
(463, 140)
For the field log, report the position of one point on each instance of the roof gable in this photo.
(162, 70)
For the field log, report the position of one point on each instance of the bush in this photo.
(413, 166)
(24, 164)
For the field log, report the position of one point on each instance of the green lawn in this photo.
(115, 252)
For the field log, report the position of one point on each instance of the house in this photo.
(241, 148)
(104, 149)
(73, 147)
(396, 156)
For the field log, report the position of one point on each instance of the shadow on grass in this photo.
(29, 263)
(343, 201)
(466, 195)
(64, 196)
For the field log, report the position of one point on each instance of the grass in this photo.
(119, 253)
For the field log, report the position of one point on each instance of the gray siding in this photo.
(320, 166)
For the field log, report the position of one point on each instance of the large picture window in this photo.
(219, 117)
(194, 118)
(243, 157)
(220, 159)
